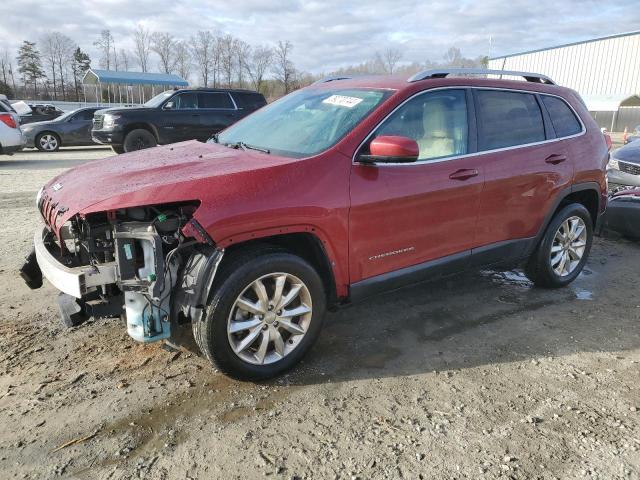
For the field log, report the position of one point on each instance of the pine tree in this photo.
(79, 66)
(30, 65)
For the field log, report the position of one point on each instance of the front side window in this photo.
(215, 100)
(506, 119)
(563, 119)
(437, 121)
(305, 122)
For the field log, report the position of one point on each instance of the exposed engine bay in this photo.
(149, 264)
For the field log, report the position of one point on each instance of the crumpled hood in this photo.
(180, 172)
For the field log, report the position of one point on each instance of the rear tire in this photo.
(274, 339)
(564, 248)
(117, 149)
(139, 139)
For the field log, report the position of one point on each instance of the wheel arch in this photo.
(305, 242)
(44, 132)
(140, 126)
(587, 194)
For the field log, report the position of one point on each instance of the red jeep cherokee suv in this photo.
(336, 192)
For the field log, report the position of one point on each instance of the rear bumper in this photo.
(107, 137)
(11, 141)
(74, 281)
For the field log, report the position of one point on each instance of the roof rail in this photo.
(331, 79)
(442, 73)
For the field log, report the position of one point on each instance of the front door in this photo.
(408, 214)
(180, 118)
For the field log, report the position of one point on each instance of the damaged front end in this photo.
(153, 265)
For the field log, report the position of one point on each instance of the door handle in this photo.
(464, 174)
(555, 159)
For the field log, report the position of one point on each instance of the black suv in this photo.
(173, 116)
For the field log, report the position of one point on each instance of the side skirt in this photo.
(509, 252)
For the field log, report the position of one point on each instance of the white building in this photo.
(605, 71)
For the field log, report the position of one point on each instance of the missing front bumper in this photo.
(74, 281)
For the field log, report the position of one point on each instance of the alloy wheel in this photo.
(269, 318)
(569, 244)
(48, 142)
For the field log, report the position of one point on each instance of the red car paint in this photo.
(360, 213)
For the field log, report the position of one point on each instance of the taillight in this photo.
(8, 120)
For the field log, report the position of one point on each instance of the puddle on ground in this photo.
(582, 294)
(510, 277)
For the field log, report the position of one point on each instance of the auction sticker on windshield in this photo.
(342, 101)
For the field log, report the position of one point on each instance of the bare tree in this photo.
(453, 57)
(142, 40)
(227, 45)
(183, 59)
(202, 49)
(283, 67)
(105, 45)
(243, 55)
(48, 42)
(258, 64)
(64, 57)
(388, 59)
(123, 59)
(163, 44)
(5, 65)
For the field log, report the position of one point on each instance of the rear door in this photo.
(411, 213)
(525, 166)
(217, 111)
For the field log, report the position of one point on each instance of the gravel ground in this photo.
(478, 376)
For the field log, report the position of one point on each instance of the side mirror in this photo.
(391, 149)
(170, 105)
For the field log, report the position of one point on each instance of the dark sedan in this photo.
(68, 130)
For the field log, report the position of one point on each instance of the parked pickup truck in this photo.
(173, 116)
(333, 194)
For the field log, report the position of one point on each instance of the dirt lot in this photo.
(480, 376)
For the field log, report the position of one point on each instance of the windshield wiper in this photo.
(246, 146)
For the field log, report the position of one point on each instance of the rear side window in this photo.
(563, 119)
(249, 101)
(507, 119)
(215, 100)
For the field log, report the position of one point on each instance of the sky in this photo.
(330, 34)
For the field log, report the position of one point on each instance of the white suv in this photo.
(10, 135)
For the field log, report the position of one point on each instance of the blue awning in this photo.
(93, 77)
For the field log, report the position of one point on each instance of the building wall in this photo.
(606, 66)
(600, 67)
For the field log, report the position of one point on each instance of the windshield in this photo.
(158, 99)
(305, 122)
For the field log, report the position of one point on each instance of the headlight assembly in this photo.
(613, 164)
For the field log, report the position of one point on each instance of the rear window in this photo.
(563, 119)
(508, 119)
(214, 100)
(249, 101)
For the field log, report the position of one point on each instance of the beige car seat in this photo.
(438, 138)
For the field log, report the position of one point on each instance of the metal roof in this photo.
(610, 103)
(597, 39)
(94, 76)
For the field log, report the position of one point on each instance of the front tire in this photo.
(47, 142)
(564, 248)
(264, 314)
(139, 139)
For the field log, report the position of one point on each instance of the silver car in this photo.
(624, 166)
